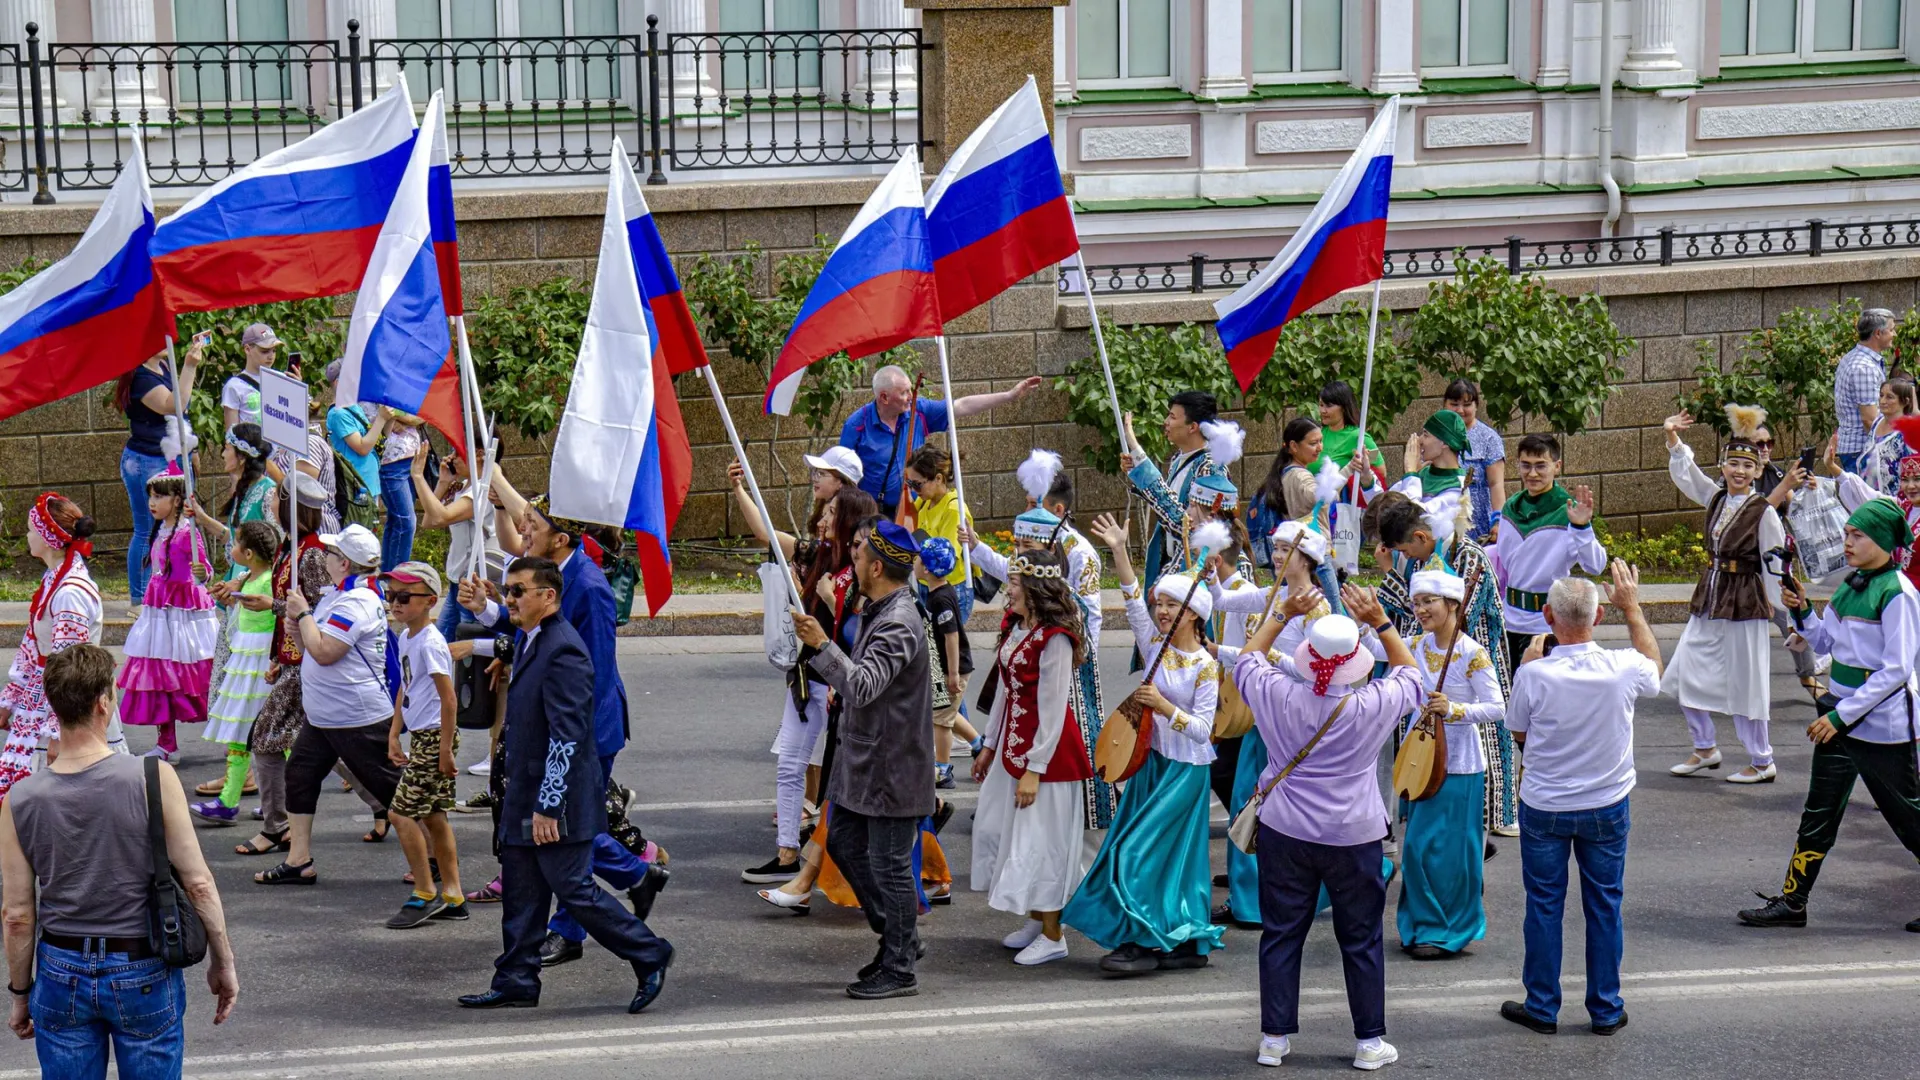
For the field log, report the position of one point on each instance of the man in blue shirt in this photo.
(873, 431)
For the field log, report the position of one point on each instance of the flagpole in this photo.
(1099, 338)
(180, 410)
(1366, 392)
(953, 445)
(753, 486)
(470, 396)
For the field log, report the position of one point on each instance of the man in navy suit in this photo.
(586, 602)
(554, 802)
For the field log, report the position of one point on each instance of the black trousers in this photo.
(531, 878)
(875, 855)
(1226, 762)
(1291, 873)
(1892, 780)
(315, 750)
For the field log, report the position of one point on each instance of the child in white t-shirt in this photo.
(426, 712)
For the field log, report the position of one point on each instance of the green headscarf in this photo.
(1880, 518)
(1447, 426)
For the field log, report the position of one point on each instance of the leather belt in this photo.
(136, 948)
(1522, 600)
(1737, 566)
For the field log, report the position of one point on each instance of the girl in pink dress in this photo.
(170, 648)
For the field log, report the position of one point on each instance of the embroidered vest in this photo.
(1730, 585)
(1020, 682)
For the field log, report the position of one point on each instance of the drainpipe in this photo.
(1606, 119)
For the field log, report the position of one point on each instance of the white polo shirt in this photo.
(1575, 706)
(351, 691)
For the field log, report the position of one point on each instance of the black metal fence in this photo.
(525, 106)
(1667, 247)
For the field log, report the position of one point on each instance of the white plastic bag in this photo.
(1346, 537)
(1818, 523)
(782, 644)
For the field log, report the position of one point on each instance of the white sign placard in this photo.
(283, 410)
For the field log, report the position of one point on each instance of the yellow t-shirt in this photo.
(941, 517)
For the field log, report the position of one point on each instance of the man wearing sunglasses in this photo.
(554, 803)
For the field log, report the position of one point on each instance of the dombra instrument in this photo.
(1233, 717)
(1420, 767)
(1128, 733)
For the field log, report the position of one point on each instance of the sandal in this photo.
(486, 894)
(287, 874)
(274, 843)
(378, 833)
(219, 783)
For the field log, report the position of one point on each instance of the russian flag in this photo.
(621, 456)
(399, 348)
(998, 211)
(1343, 243)
(875, 291)
(94, 315)
(446, 236)
(299, 222)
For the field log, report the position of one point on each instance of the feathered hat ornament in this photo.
(1037, 474)
(170, 443)
(1225, 441)
(1745, 422)
(1211, 538)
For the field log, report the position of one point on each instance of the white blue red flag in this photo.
(92, 316)
(399, 348)
(876, 290)
(1343, 243)
(998, 212)
(621, 456)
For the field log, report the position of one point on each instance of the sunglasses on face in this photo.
(517, 591)
(404, 597)
(1764, 444)
(914, 485)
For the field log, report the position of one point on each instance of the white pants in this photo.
(795, 745)
(1752, 732)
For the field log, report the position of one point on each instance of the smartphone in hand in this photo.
(203, 339)
(1807, 456)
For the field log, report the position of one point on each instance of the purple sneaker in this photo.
(213, 811)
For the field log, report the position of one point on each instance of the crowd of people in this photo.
(1272, 681)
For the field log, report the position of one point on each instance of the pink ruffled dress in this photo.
(169, 664)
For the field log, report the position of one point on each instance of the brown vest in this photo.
(1730, 586)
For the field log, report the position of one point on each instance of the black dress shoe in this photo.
(494, 999)
(1779, 912)
(1428, 952)
(1183, 956)
(650, 985)
(941, 816)
(1490, 852)
(1914, 927)
(1608, 1029)
(1223, 916)
(557, 950)
(1219, 881)
(641, 896)
(1516, 1012)
(1130, 959)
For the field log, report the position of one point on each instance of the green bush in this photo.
(1679, 552)
(1786, 369)
(1313, 352)
(1150, 364)
(524, 345)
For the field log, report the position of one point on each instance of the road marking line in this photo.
(1742, 982)
(887, 1027)
(958, 798)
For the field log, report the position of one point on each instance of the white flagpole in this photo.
(953, 446)
(1366, 391)
(753, 486)
(470, 420)
(1099, 338)
(180, 410)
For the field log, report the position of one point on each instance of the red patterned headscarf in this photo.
(1324, 667)
(42, 521)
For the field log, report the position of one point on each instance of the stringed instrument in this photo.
(1232, 716)
(1128, 733)
(1420, 766)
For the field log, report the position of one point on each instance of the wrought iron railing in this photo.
(1667, 247)
(516, 107)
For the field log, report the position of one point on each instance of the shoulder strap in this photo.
(157, 827)
(1338, 708)
(248, 379)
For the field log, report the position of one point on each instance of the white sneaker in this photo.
(1505, 830)
(483, 767)
(1695, 763)
(1378, 1057)
(1043, 950)
(1753, 775)
(1273, 1051)
(1024, 936)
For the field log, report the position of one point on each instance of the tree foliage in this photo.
(1150, 364)
(1533, 350)
(1786, 369)
(524, 346)
(1315, 351)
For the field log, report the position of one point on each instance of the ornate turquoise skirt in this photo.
(1092, 718)
(1243, 870)
(1150, 885)
(1442, 866)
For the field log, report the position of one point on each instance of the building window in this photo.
(454, 45)
(1298, 38)
(1776, 31)
(1466, 36)
(784, 61)
(1125, 39)
(236, 72)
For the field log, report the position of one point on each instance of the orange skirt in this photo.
(933, 867)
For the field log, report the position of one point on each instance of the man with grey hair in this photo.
(874, 431)
(1856, 387)
(1571, 712)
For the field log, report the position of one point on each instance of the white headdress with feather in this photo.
(1225, 441)
(1037, 474)
(171, 444)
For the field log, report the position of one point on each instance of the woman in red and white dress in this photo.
(65, 611)
(1028, 855)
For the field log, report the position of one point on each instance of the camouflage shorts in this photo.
(423, 789)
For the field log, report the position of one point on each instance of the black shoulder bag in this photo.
(174, 928)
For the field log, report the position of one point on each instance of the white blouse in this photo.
(1697, 486)
(1083, 574)
(1056, 681)
(1237, 607)
(1472, 688)
(1190, 680)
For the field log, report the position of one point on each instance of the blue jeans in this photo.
(80, 1001)
(1597, 840)
(452, 615)
(136, 469)
(1328, 582)
(396, 491)
(1852, 463)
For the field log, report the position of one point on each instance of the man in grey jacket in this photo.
(882, 782)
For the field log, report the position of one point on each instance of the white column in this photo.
(125, 87)
(890, 75)
(14, 17)
(378, 22)
(1396, 64)
(1556, 43)
(1222, 67)
(1062, 85)
(1651, 58)
(691, 88)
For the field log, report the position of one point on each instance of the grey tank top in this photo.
(85, 835)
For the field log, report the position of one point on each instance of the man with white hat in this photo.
(1321, 815)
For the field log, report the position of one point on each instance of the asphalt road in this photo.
(328, 991)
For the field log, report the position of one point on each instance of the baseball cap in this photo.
(415, 572)
(359, 545)
(333, 371)
(307, 489)
(839, 459)
(262, 335)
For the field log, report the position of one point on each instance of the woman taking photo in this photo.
(146, 396)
